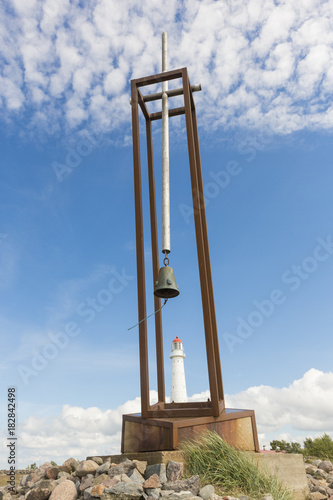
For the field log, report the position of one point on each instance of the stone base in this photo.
(151, 457)
(236, 427)
(288, 468)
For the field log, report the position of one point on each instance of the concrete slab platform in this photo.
(289, 468)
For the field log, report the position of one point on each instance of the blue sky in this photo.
(67, 235)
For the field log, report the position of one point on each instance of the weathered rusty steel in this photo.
(204, 269)
(216, 404)
(170, 93)
(155, 262)
(237, 427)
(161, 426)
(140, 258)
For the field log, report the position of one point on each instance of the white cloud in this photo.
(303, 409)
(305, 405)
(261, 64)
(77, 432)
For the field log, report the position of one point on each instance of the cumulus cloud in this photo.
(77, 432)
(261, 63)
(305, 405)
(302, 409)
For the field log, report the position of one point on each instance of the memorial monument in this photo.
(163, 426)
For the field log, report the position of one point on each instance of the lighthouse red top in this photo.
(176, 340)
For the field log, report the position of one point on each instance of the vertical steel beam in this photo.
(199, 208)
(140, 260)
(155, 259)
(208, 264)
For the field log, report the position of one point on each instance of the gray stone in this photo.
(52, 472)
(313, 488)
(123, 491)
(86, 467)
(182, 495)
(207, 492)
(244, 497)
(321, 474)
(86, 482)
(191, 484)
(108, 483)
(267, 497)
(64, 491)
(103, 468)
(152, 482)
(64, 475)
(5, 495)
(24, 480)
(65, 468)
(62, 479)
(153, 492)
(98, 460)
(135, 476)
(174, 470)
(123, 468)
(72, 463)
(35, 477)
(46, 465)
(86, 494)
(310, 469)
(99, 479)
(317, 496)
(326, 465)
(42, 490)
(159, 469)
(141, 465)
(125, 479)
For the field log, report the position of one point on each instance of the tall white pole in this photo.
(165, 153)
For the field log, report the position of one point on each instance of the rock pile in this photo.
(320, 479)
(95, 479)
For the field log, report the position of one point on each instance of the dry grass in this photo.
(230, 471)
(4, 478)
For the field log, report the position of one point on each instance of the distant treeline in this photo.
(321, 447)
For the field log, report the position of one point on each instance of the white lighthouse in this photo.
(178, 384)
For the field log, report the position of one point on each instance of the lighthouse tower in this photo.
(178, 384)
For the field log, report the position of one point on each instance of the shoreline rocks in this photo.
(133, 479)
(320, 479)
(95, 479)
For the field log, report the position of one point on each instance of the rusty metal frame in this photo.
(216, 405)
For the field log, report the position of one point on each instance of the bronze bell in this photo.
(166, 286)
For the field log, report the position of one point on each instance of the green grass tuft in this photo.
(221, 465)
